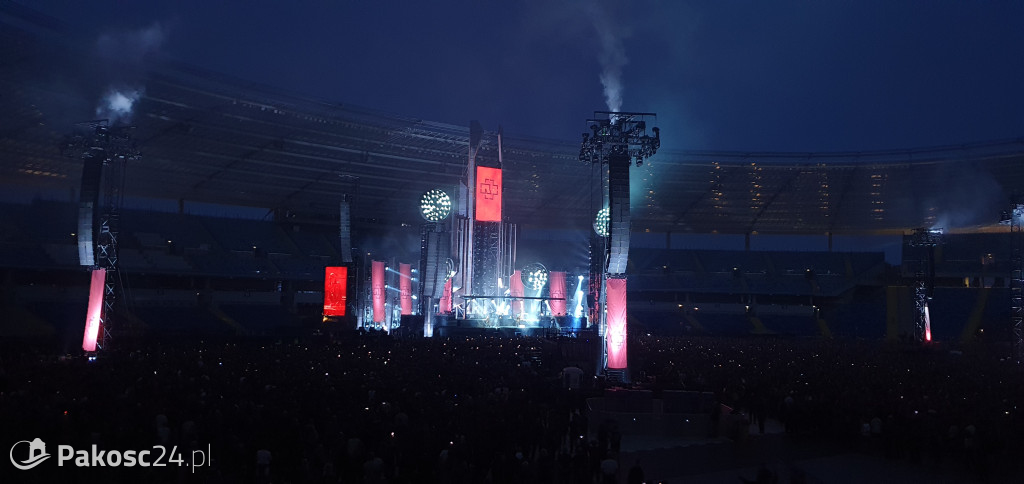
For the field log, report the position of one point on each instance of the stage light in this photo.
(435, 205)
(535, 276)
(581, 278)
(601, 222)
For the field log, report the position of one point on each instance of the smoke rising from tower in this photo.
(612, 56)
(125, 55)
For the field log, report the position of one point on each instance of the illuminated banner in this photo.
(488, 194)
(335, 291)
(377, 287)
(444, 306)
(615, 335)
(95, 310)
(405, 287)
(557, 281)
(516, 289)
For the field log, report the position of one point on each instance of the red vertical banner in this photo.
(335, 291)
(444, 306)
(95, 309)
(516, 290)
(615, 334)
(488, 194)
(377, 287)
(556, 280)
(405, 288)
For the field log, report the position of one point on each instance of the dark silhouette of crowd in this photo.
(367, 408)
(959, 410)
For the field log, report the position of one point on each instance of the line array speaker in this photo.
(89, 205)
(618, 204)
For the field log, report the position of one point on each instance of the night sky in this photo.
(743, 75)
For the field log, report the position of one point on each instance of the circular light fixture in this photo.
(601, 222)
(435, 205)
(534, 276)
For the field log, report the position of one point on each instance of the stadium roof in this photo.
(208, 138)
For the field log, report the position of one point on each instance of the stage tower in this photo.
(616, 141)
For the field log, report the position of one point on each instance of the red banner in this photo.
(488, 194)
(516, 289)
(377, 286)
(615, 334)
(556, 280)
(444, 306)
(95, 310)
(335, 291)
(405, 287)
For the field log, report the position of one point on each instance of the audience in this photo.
(369, 408)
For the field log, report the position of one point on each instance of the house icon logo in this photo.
(36, 454)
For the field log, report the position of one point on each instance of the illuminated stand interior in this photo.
(104, 149)
(614, 143)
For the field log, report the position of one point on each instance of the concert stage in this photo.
(449, 326)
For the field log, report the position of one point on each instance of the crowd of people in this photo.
(956, 410)
(370, 408)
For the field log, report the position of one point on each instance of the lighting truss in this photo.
(619, 134)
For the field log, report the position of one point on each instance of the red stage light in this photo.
(377, 286)
(95, 311)
(927, 325)
(445, 304)
(405, 287)
(335, 291)
(615, 335)
(488, 194)
(557, 283)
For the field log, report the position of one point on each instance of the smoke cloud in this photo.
(966, 196)
(125, 55)
(612, 56)
(116, 105)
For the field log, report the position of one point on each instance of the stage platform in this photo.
(449, 326)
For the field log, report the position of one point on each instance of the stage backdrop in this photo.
(488, 194)
(557, 290)
(405, 286)
(377, 286)
(335, 291)
(615, 335)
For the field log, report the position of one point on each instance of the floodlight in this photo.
(601, 222)
(435, 205)
(535, 276)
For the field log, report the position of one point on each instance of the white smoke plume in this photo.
(116, 105)
(125, 55)
(612, 56)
